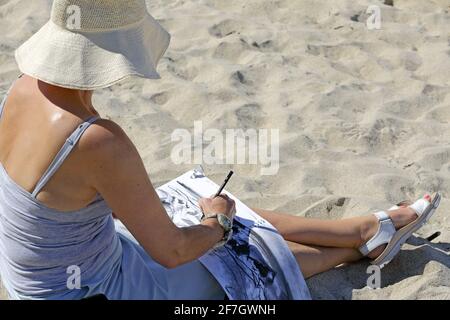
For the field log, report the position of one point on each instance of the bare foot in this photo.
(400, 218)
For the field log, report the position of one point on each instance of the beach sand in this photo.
(363, 115)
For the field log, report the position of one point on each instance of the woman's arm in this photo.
(118, 174)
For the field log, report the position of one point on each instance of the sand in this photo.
(363, 115)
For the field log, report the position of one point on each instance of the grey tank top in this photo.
(40, 248)
(43, 252)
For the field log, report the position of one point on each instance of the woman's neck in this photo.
(69, 99)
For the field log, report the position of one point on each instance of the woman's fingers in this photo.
(204, 203)
(220, 204)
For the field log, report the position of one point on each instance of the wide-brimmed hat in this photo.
(91, 44)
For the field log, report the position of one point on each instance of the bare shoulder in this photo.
(106, 139)
(112, 163)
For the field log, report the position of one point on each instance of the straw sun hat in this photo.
(91, 44)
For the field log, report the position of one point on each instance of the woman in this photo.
(64, 170)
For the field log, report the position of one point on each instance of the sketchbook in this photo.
(256, 264)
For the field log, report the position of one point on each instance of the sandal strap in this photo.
(386, 231)
(419, 206)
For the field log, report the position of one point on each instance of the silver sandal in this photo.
(394, 239)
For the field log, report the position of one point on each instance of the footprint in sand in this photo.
(160, 98)
(435, 158)
(241, 78)
(231, 51)
(185, 73)
(225, 28)
(249, 116)
(331, 207)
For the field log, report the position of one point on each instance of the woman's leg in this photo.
(314, 259)
(345, 233)
(320, 245)
(330, 242)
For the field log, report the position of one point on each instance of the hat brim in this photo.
(93, 60)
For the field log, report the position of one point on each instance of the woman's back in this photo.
(36, 121)
(41, 247)
(48, 247)
(63, 171)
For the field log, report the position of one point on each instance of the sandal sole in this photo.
(402, 235)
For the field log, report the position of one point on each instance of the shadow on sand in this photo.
(340, 282)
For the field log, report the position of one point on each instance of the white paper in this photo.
(256, 264)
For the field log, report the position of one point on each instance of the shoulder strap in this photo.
(63, 154)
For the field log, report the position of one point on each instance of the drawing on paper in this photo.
(246, 266)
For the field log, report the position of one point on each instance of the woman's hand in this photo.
(221, 204)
